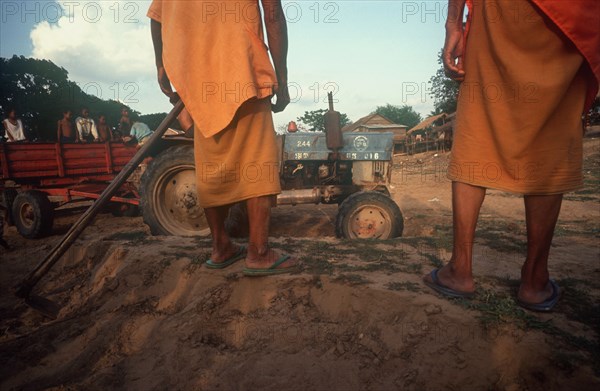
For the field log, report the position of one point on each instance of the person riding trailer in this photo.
(86, 127)
(13, 127)
(138, 131)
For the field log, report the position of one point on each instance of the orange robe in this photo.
(579, 21)
(216, 58)
(518, 124)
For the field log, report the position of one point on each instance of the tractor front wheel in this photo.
(369, 215)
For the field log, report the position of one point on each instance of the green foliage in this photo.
(402, 115)
(40, 91)
(444, 91)
(153, 120)
(315, 120)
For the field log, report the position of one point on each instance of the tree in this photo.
(40, 91)
(315, 120)
(444, 91)
(402, 115)
(153, 120)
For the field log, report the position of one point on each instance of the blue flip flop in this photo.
(546, 305)
(241, 254)
(440, 288)
(272, 270)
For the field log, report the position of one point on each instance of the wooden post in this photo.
(59, 159)
(109, 161)
(4, 161)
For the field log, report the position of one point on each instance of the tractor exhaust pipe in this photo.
(333, 128)
(294, 197)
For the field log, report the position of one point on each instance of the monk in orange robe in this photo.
(529, 69)
(215, 56)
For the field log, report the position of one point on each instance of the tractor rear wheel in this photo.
(33, 214)
(169, 200)
(369, 215)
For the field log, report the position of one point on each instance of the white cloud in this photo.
(373, 58)
(107, 49)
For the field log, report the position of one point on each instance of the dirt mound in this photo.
(143, 314)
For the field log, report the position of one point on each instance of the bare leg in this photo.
(260, 256)
(223, 248)
(541, 213)
(466, 203)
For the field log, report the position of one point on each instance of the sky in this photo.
(368, 52)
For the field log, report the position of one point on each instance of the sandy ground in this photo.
(142, 313)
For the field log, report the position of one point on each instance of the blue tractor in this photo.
(351, 169)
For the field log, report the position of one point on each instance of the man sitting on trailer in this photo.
(104, 131)
(220, 67)
(66, 133)
(13, 127)
(86, 127)
(124, 122)
(139, 132)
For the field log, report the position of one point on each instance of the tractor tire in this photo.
(33, 214)
(369, 215)
(169, 201)
(8, 199)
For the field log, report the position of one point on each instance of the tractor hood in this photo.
(358, 146)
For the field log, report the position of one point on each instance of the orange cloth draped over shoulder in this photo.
(216, 58)
(579, 21)
(527, 82)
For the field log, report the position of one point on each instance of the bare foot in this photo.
(448, 277)
(531, 296)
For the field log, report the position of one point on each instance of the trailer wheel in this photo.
(33, 214)
(369, 215)
(169, 200)
(8, 198)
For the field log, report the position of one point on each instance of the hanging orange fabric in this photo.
(215, 56)
(579, 21)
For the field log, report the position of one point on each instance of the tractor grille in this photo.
(379, 169)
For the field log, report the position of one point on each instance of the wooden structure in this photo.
(433, 133)
(50, 164)
(39, 176)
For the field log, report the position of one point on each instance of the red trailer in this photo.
(36, 178)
